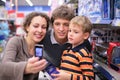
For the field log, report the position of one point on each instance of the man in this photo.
(56, 39)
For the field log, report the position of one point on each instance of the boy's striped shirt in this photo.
(78, 62)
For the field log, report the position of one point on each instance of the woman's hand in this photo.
(62, 76)
(35, 65)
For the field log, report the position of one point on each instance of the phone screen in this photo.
(39, 51)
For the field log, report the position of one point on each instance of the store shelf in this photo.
(115, 74)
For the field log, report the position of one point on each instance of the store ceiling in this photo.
(35, 2)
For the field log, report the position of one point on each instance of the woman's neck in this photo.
(30, 45)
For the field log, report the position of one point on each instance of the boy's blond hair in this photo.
(82, 21)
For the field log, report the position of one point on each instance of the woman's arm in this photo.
(12, 68)
(16, 67)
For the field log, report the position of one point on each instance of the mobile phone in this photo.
(51, 69)
(39, 51)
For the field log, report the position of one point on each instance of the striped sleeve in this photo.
(86, 66)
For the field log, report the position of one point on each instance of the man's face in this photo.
(60, 27)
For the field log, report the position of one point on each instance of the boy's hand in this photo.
(62, 75)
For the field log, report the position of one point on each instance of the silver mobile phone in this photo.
(39, 51)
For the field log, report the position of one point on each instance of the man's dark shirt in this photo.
(53, 52)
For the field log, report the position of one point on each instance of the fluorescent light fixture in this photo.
(61, 2)
(29, 2)
(49, 2)
(4, 0)
(12, 4)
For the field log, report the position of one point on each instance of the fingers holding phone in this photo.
(35, 65)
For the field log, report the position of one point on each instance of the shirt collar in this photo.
(77, 48)
(53, 38)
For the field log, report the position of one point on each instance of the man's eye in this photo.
(66, 24)
(57, 24)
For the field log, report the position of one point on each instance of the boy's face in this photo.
(75, 35)
(60, 27)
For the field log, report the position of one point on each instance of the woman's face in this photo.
(37, 29)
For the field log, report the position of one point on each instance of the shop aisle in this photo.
(111, 71)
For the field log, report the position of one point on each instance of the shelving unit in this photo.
(112, 72)
(102, 35)
(103, 30)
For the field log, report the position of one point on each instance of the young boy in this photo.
(77, 61)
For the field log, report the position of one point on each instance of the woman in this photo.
(19, 62)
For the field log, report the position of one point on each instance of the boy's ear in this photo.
(86, 35)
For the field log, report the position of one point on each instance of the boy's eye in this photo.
(76, 32)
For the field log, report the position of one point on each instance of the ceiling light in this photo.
(61, 2)
(49, 2)
(4, 0)
(12, 5)
(29, 2)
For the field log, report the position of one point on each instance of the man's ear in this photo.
(86, 35)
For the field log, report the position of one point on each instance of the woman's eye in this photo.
(44, 27)
(35, 26)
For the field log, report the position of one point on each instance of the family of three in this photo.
(66, 46)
